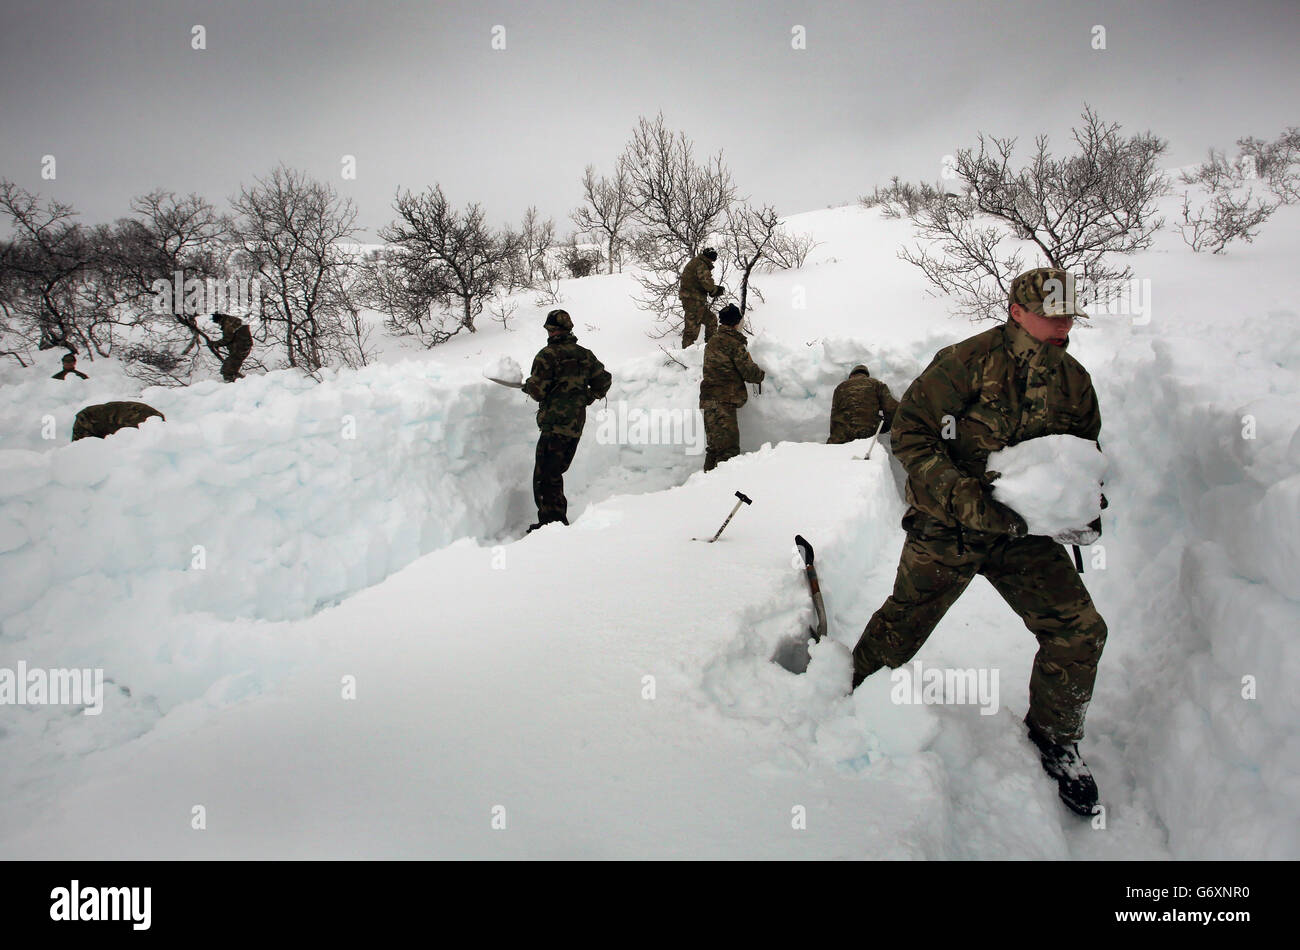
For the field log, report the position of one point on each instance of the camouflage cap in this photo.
(860, 368)
(559, 319)
(1046, 291)
(710, 253)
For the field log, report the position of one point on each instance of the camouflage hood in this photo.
(1026, 350)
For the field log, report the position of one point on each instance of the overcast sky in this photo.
(113, 90)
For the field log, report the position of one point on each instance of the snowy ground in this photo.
(608, 687)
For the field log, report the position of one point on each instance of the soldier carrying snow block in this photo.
(565, 380)
(694, 291)
(857, 406)
(1004, 386)
(106, 418)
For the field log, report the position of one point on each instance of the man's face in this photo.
(69, 362)
(1054, 330)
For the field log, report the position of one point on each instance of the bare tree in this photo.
(789, 251)
(901, 199)
(548, 290)
(294, 235)
(1228, 217)
(1074, 212)
(607, 210)
(1277, 162)
(169, 243)
(360, 351)
(1229, 214)
(579, 261)
(49, 266)
(442, 258)
(536, 238)
(514, 274)
(679, 205)
(755, 240)
(502, 311)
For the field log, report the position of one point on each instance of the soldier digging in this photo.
(239, 339)
(694, 291)
(69, 366)
(858, 406)
(566, 378)
(103, 420)
(727, 367)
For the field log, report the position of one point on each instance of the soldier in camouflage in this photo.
(1003, 386)
(727, 367)
(105, 419)
(566, 378)
(695, 291)
(69, 366)
(239, 339)
(857, 406)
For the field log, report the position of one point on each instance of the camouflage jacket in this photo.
(106, 418)
(727, 367)
(855, 407)
(697, 279)
(235, 334)
(566, 379)
(992, 390)
(63, 374)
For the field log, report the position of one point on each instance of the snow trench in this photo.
(177, 556)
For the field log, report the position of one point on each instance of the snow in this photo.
(609, 685)
(1053, 482)
(506, 370)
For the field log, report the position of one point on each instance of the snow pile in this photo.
(172, 555)
(506, 370)
(1199, 678)
(1053, 482)
(658, 648)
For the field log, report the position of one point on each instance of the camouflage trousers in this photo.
(1035, 576)
(721, 433)
(554, 456)
(697, 313)
(230, 365)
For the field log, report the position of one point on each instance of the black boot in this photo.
(1074, 781)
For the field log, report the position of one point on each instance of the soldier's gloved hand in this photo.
(974, 508)
(719, 291)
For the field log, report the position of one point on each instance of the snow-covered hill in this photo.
(609, 685)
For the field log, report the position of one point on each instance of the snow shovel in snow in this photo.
(814, 586)
(792, 653)
(744, 500)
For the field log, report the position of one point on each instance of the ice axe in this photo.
(744, 500)
(880, 425)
